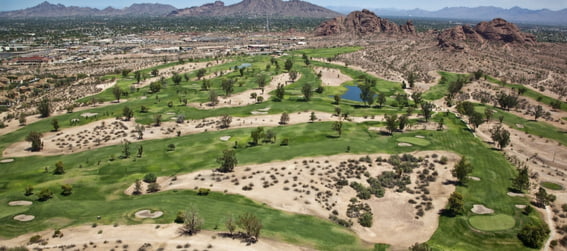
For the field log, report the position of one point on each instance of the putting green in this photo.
(492, 222)
(414, 141)
(551, 185)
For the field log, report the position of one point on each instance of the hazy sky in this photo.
(399, 4)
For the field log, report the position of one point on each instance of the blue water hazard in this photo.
(353, 93)
(244, 65)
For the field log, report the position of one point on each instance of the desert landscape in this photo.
(353, 132)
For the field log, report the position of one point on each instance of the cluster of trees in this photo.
(192, 222)
(500, 136)
(395, 122)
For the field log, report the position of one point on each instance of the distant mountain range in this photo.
(246, 8)
(516, 14)
(47, 9)
(274, 8)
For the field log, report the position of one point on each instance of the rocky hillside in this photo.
(251, 8)
(47, 9)
(496, 31)
(362, 23)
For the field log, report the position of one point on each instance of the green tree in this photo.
(227, 161)
(176, 78)
(155, 72)
(150, 178)
(522, 181)
(307, 91)
(225, 121)
(313, 117)
(157, 119)
(261, 81)
(35, 139)
(500, 136)
(66, 189)
(22, 119)
(280, 92)
(201, 73)
(543, 198)
(127, 113)
(155, 87)
(152, 187)
(417, 98)
(465, 108)
(338, 126)
(538, 112)
(140, 151)
(533, 236)
(288, 64)
(381, 100)
(461, 170)
(55, 124)
(420, 247)
(256, 135)
(284, 119)
(138, 76)
(126, 149)
(117, 92)
(403, 121)
(293, 76)
(365, 219)
(59, 169)
(230, 224)
(205, 85)
(456, 204)
(251, 225)
(227, 86)
(367, 92)
(44, 108)
(391, 122)
(28, 190)
(427, 110)
(213, 97)
(476, 120)
(45, 194)
(488, 113)
(337, 98)
(137, 187)
(411, 79)
(192, 223)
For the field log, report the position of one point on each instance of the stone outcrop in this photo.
(362, 23)
(496, 31)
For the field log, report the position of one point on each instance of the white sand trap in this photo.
(521, 206)
(267, 109)
(24, 217)
(7, 161)
(480, 209)
(258, 113)
(474, 178)
(404, 144)
(511, 194)
(89, 114)
(420, 136)
(224, 138)
(144, 214)
(20, 203)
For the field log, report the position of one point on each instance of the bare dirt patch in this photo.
(309, 186)
(133, 237)
(481, 209)
(24, 217)
(332, 77)
(20, 203)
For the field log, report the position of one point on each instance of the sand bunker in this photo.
(474, 178)
(89, 114)
(224, 138)
(20, 203)
(481, 209)
(515, 194)
(24, 217)
(521, 206)
(145, 214)
(404, 144)
(6, 160)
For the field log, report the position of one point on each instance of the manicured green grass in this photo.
(496, 222)
(414, 141)
(327, 52)
(551, 185)
(440, 90)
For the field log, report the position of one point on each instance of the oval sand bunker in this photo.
(20, 203)
(6, 161)
(24, 217)
(144, 214)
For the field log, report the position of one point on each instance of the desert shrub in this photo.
(180, 218)
(361, 192)
(153, 187)
(35, 239)
(45, 194)
(365, 219)
(443, 160)
(203, 191)
(150, 178)
(533, 236)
